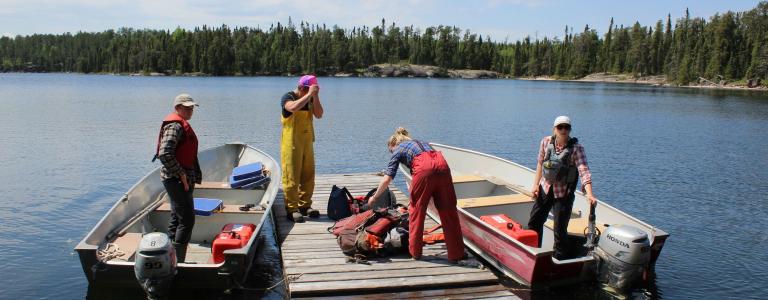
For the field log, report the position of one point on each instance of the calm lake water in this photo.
(691, 162)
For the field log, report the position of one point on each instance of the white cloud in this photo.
(513, 19)
(529, 3)
(8, 7)
(57, 16)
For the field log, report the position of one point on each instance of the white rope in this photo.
(110, 252)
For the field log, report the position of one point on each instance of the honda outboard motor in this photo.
(624, 253)
(155, 264)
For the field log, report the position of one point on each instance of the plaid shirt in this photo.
(172, 136)
(577, 158)
(404, 153)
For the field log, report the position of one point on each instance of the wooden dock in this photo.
(316, 267)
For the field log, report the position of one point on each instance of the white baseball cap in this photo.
(184, 99)
(562, 120)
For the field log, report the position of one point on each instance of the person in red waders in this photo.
(177, 151)
(431, 179)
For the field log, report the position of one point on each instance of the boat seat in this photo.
(127, 244)
(493, 200)
(213, 185)
(576, 226)
(217, 185)
(467, 178)
(228, 208)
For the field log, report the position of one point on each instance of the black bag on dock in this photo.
(386, 200)
(338, 203)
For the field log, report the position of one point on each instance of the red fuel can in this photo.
(232, 236)
(512, 229)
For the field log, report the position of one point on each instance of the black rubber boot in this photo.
(296, 217)
(310, 212)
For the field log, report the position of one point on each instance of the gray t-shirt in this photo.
(290, 96)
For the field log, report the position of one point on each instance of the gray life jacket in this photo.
(556, 167)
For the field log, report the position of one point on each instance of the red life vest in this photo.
(186, 150)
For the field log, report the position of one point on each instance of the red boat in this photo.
(487, 185)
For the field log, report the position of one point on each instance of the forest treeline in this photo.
(730, 46)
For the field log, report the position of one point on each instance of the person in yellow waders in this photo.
(297, 154)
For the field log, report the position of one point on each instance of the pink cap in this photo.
(308, 80)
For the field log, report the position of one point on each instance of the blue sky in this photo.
(501, 19)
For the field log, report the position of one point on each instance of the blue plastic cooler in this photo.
(247, 171)
(236, 184)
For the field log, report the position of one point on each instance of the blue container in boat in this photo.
(247, 171)
(263, 181)
(240, 183)
(206, 207)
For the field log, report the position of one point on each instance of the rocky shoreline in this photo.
(427, 71)
(655, 80)
(374, 71)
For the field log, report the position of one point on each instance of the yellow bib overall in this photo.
(297, 158)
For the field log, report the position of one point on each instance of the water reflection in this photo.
(646, 291)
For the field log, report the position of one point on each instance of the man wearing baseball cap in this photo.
(177, 151)
(297, 154)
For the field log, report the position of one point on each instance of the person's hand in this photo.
(535, 192)
(183, 179)
(591, 199)
(314, 90)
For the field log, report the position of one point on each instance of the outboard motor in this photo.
(624, 253)
(155, 264)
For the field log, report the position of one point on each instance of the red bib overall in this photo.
(432, 179)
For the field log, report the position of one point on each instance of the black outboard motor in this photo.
(155, 265)
(624, 254)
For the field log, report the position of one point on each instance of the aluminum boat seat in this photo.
(213, 185)
(227, 209)
(467, 178)
(577, 225)
(493, 200)
(233, 198)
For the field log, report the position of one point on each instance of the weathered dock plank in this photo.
(479, 292)
(318, 268)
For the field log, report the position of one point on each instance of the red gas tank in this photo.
(232, 236)
(512, 229)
